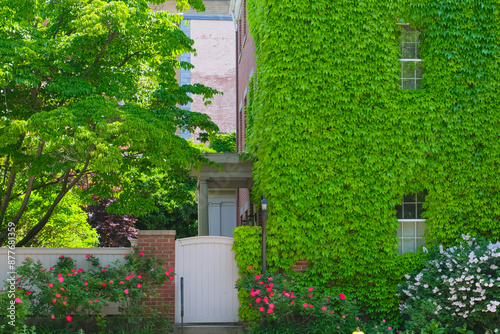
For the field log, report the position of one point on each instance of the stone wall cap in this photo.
(156, 232)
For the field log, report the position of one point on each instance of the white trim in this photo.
(412, 220)
(405, 60)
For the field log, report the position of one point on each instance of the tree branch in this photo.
(127, 58)
(38, 187)
(110, 38)
(10, 185)
(59, 24)
(41, 224)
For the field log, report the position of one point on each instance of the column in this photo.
(203, 208)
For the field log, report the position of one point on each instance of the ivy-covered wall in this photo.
(337, 142)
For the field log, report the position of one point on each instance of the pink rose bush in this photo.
(71, 294)
(287, 305)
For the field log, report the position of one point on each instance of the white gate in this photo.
(209, 271)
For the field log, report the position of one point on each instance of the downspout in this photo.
(237, 111)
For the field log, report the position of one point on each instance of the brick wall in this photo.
(162, 245)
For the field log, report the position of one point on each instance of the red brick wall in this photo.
(162, 245)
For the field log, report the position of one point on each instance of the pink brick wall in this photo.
(162, 245)
(214, 66)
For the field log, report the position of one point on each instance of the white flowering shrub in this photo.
(459, 286)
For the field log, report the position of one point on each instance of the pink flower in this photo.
(126, 291)
(18, 300)
(41, 269)
(110, 282)
(258, 300)
(269, 311)
(257, 277)
(257, 292)
(171, 278)
(250, 268)
(271, 285)
(91, 302)
(383, 320)
(61, 257)
(343, 316)
(139, 286)
(19, 278)
(266, 300)
(357, 318)
(310, 306)
(51, 268)
(139, 276)
(390, 328)
(96, 300)
(305, 305)
(104, 270)
(88, 255)
(53, 300)
(61, 279)
(53, 316)
(62, 289)
(167, 273)
(324, 308)
(50, 285)
(291, 303)
(128, 278)
(261, 282)
(269, 289)
(64, 302)
(121, 282)
(270, 278)
(72, 270)
(28, 292)
(68, 317)
(26, 258)
(171, 270)
(104, 284)
(342, 296)
(58, 295)
(86, 283)
(310, 289)
(287, 294)
(271, 305)
(261, 309)
(141, 254)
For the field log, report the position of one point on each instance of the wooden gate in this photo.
(209, 272)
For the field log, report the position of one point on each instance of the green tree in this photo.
(90, 105)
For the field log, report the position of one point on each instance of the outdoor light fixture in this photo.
(263, 205)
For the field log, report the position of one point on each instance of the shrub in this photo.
(288, 308)
(459, 285)
(66, 293)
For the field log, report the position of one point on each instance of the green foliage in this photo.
(458, 285)
(89, 103)
(222, 142)
(247, 248)
(337, 142)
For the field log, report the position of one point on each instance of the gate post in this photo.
(162, 245)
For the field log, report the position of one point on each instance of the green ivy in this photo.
(337, 142)
(223, 142)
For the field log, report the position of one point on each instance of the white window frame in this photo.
(405, 60)
(416, 236)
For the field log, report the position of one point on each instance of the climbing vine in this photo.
(337, 142)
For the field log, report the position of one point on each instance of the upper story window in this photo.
(409, 55)
(411, 225)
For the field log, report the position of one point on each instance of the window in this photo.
(411, 225)
(409, 55)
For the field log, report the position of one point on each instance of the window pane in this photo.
(420, 229)
(400, 231)
(420, 242)
(409, 84)
(408, 229)
(409, 70)
(409, 211)
(420, 209)
(399, 211)
(409, 198)
(409, 245)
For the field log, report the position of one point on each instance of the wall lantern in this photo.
(263, 206)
